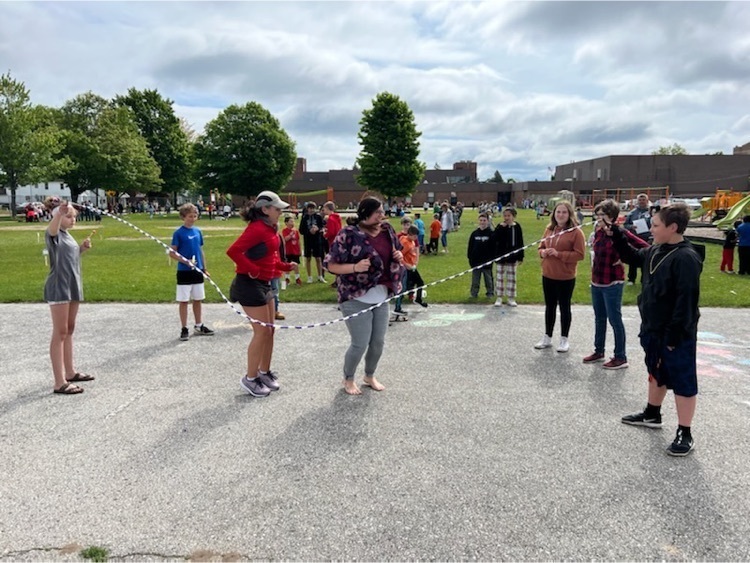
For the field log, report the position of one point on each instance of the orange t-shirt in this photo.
(435, 228)
(410, 251)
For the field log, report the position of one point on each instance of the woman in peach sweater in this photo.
(560, 254)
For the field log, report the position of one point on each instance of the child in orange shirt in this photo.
(412, 279)
(435, 228)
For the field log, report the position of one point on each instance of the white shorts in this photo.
(196, 292)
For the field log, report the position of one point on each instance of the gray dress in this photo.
(64, 279)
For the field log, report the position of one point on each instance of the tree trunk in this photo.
(13, 186)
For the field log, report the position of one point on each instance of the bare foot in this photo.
(351, 388)
(373, 383)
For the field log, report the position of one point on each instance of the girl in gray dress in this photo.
(63, 291)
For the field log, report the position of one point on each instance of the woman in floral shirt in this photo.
(367, 258)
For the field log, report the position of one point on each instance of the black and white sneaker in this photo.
(640, 419)
(203, 330)
(682, 445)
(184, 334)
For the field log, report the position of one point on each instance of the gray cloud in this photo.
(516, 86)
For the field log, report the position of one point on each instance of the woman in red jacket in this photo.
(257, 259)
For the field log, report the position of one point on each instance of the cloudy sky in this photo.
(515, 86)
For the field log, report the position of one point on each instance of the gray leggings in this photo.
(368, 335)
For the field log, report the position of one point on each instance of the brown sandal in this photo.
(81, 377)
(68, 389)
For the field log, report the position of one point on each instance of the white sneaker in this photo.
(309, 279)
(499, 302)
(321, 279)
(564, 345)
(512, 303)
(545, 342)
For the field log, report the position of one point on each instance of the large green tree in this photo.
(105, 147)
(244, 151)
(390, 148)
(167, 141)
(29, 140)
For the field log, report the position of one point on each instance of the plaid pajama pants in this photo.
(506, 273)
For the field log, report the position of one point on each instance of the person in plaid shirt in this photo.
(607, 281)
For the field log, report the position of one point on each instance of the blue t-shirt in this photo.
(188, 243)
(743, 232)
(419, 224)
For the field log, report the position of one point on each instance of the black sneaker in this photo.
(640, 419)
(682, 445)
(203, 330)
(184, 333)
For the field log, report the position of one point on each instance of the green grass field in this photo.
(125, 266)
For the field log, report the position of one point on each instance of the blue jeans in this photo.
(607, 302)
(275, 289)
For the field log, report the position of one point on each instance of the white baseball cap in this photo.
(268, 198)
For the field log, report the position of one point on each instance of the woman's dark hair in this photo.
(511, 210)
(367, 207)
(251, 213)
(746, 219)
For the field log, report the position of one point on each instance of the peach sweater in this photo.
(571, 247)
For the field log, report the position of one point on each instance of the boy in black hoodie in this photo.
(481, 249)
(668, 304)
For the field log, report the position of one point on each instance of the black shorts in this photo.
(189, 277)
(249, 292)
(675, 369)
(313, 247)
(292, 258)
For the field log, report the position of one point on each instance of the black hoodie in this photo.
(668, 302)
(507, 239)
(481, 249)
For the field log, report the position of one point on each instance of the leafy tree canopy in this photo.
(244, 151)
(167, 141)
(29, 139)
(671, 149)
(105, 147)
(390, 148)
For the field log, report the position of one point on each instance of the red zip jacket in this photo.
(333, 226)
(256, 252)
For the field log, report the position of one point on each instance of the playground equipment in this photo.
(562, 195)
(655, 195)
(737, 211)
(717, 206)
(292, 196)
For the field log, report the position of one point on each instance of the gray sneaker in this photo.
(255, 387)
(270, 380)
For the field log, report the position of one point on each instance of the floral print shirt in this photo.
(352, 245)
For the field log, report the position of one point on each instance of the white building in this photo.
(35, 192)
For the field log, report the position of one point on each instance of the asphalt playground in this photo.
(480, 448)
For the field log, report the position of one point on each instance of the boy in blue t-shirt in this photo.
(188, 242)
(419, 224)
